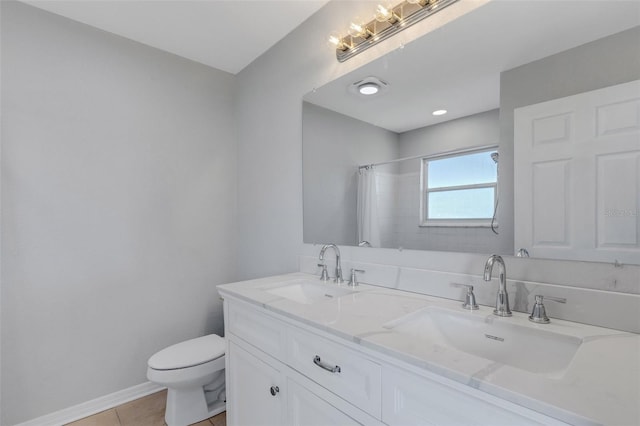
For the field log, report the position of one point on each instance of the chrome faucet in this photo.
(502, 299)
(338, 279)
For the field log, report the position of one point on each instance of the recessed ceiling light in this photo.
(439, 112)
(368, 89)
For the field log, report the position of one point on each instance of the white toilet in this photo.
(193, 372)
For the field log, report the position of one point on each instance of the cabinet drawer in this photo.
(358, 380)
(262, 331)
(409, 399)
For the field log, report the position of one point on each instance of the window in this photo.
(459, 189)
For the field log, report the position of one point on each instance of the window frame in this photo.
(424, 191)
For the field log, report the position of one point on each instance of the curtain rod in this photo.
(440, 154)
(368, 166)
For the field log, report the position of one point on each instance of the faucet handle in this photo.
(470, 298)
(354, 279)
(458, 285)
(539, 313)
(324, 276)
(540, 297)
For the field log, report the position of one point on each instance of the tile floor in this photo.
(147, 411)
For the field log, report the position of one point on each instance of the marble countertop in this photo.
(601, 385)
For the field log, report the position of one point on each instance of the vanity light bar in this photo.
(387, 22)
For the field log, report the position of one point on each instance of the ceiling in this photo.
(224, 34)
(457, 67)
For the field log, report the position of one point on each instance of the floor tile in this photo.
(147, 411)
(219, 420)
(105, 418)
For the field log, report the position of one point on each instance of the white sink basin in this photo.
(308, 292)
(497, 339)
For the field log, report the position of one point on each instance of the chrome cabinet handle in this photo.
(274, 390)
(319, 363)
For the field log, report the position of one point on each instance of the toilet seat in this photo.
(189, 353)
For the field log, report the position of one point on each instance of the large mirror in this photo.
(383, 171)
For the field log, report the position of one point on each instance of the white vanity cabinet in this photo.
(274, 377)
(263, 394)
(269, 365)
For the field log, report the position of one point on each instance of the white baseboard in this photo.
(94, 406)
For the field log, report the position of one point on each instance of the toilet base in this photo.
(188, 406)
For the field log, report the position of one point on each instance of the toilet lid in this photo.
(189, 353)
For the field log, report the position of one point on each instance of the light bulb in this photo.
(368, 89)
(355, 29)
(384, 13)
(358, 28)
(337, 41)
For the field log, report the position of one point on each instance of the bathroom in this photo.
(135, 181)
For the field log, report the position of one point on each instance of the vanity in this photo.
(304, 351)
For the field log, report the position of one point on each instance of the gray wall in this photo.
(334, 145)
(462, 133)
(118, 206)
(601, 63)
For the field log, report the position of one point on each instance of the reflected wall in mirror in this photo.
(582, 47)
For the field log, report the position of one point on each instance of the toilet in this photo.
(193, 372)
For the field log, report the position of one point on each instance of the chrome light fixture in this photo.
(388, 20)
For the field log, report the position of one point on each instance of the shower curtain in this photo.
(367, 207)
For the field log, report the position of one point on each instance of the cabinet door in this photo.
(307, 409)
(255, 391)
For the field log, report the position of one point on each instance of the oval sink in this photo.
(526, 347)
(308, 292)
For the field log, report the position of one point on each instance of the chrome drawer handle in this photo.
(319, 363)
(274, 390)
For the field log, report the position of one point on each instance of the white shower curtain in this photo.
(367, 207)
